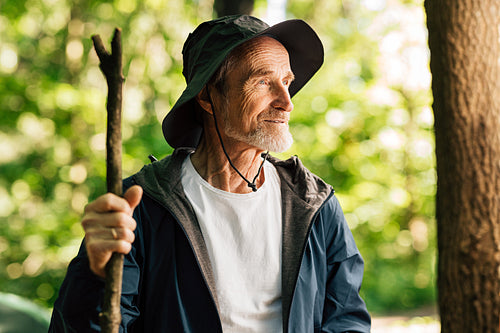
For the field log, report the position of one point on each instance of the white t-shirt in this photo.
(243, 237)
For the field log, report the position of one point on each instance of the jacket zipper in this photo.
(302, 255)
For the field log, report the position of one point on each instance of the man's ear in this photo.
(204, 101)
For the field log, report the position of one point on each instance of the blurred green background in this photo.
(364, 124)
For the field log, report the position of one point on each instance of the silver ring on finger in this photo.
(114, 233)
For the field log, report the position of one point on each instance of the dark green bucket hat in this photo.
(206, 48)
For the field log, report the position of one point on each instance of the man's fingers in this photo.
(108, 202)
(113, 233)
(101, 252)
(108, 220)
(108, 246)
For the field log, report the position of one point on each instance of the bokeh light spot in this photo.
(8, 59)
(14, 270)
(74, 50)
(319, 104)
(78, 173)
(21, 190)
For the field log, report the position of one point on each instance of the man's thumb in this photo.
(133, 196)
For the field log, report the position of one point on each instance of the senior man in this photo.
(220, 236)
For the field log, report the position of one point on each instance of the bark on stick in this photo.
(111, 66)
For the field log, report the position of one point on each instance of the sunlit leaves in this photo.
(364, 124)
(53, 121)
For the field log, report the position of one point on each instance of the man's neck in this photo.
(212, 164)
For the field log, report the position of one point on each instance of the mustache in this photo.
(274, 114)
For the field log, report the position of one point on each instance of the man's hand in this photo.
(109, 227)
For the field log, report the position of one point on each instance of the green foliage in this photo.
(53, 121)
(363, 124)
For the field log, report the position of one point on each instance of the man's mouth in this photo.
(276, 121)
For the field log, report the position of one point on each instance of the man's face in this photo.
(256, 108)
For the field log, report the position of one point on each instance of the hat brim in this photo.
(180, 126)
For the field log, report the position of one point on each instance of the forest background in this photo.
(364, 124)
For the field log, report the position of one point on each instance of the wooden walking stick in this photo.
(111, 66)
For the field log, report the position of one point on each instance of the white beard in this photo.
(277, 142)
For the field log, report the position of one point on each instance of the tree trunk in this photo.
(231, 7)
(464, 45)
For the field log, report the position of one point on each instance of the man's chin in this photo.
(276, 144)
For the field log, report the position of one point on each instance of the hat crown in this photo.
(213, 39)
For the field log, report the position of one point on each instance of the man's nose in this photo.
(282, 99)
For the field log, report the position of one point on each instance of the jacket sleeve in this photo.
(80, 297)
(78, 305)
(344, 309)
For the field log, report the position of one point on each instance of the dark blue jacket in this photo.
(168, 285)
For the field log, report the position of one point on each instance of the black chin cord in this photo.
(252, 184)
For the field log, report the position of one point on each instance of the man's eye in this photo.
(262, 82)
